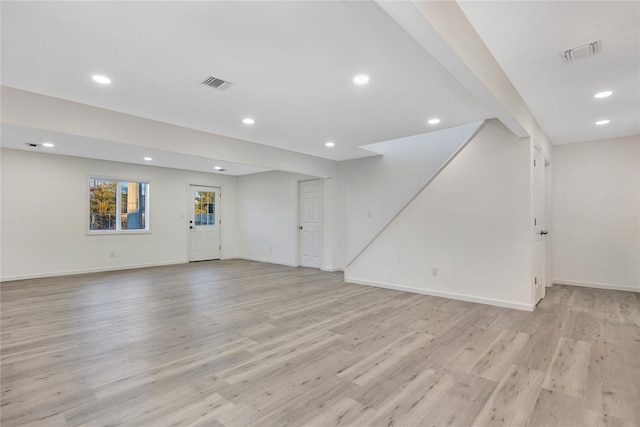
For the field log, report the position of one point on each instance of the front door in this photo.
(310, 204)
(204, 223)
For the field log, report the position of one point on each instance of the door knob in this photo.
(300, 228)
(192, 227)
(544, 232)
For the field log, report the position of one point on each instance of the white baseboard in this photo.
(288, 264)
(597, 285)
(134, 266)
(88, 270)
(268, 261)
(460, 297)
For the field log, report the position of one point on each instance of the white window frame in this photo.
(118, 230)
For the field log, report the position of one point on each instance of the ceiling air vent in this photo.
(216, 83)
(583, 51)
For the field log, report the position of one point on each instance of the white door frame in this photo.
(298, 234)
(548, 181)
(538, 279)
(188, 216)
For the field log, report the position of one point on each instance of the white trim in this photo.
(268, 261)
(189, 216)
(543, 221)
(608, 286)
(118, 230)
(460, 297)
(332, 269)
(299, 205)
(134, 266)
(90, 270)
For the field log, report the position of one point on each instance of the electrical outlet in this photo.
(112, 254)
(369, 214)
(434, 271)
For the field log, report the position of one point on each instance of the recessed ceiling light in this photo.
(148, 159)
(47, 144)
(329, 144)
(603, 122)
(433, 121)
(604, 94)
(248, 121)
(101, 79)
(361, 79)
(218, 168)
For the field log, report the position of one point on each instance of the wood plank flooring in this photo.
(239, 343)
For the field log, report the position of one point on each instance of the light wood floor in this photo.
(239, 343)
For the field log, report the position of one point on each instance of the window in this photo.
(117, 205)
(205, 208)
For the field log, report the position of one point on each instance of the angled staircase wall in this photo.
(466, 235)
(375, 189)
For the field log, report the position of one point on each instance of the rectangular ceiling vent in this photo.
(583, 51)
(216, 83)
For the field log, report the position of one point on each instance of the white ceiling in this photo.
(16, 138)
(292, 65)
(526, 37)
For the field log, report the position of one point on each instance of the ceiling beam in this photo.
(443, 30)
(33, 110)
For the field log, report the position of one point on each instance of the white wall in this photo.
(377, 188)
(267, 218)
(267, 202)
(472, 222)
(333, 233)
(596, 213)
(548, 217)
(44, 205)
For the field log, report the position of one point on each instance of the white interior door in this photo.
(204, 223)
(539, 261)
(310, 228)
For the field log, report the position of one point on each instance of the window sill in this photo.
(119, 232)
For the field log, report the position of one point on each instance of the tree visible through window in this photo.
(117, 205)
(205, 207)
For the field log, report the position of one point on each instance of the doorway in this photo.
(204, 223)
(310, 223)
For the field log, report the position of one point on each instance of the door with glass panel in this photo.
(204, 223)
